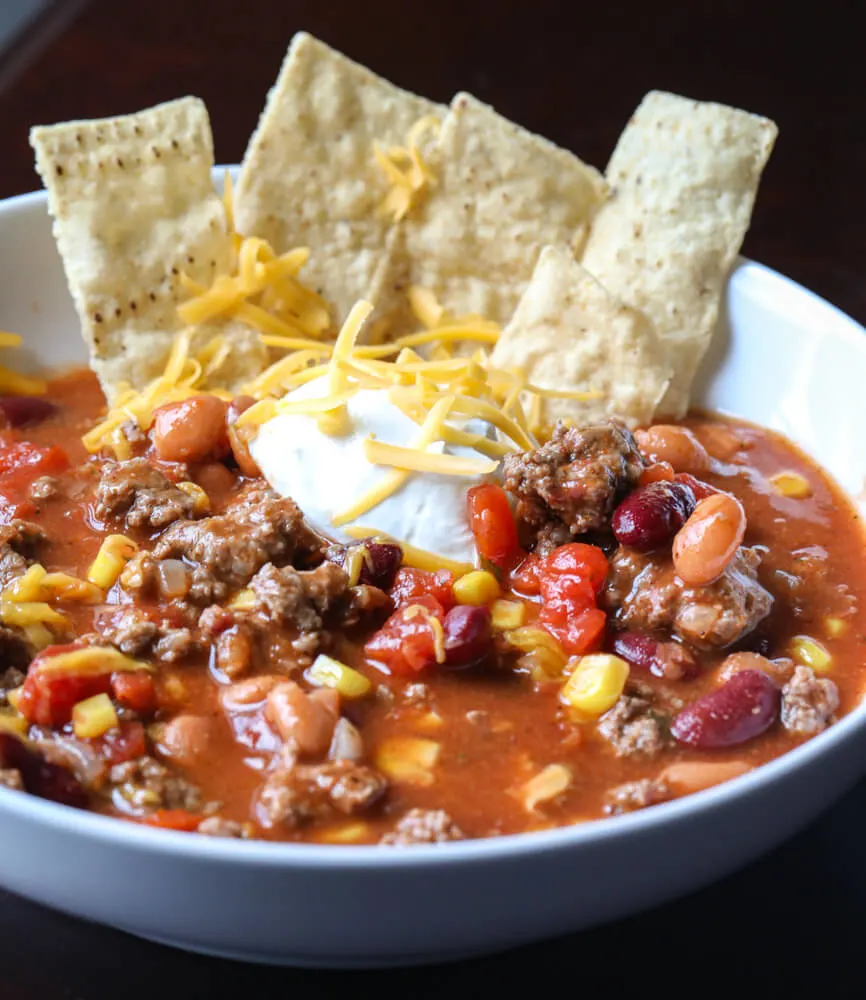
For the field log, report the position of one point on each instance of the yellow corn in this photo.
(38, 585)
(811, 653)
(508, 614)
(835, 627)
(539, 644)
(430, 722)
(12, 723)
(31, 613)
(93, 717)
(244, 600)
(38, 636)
(478, 587)
(89, 661)
(328, 672)
(595, 684)
(200, 499)
(791, 484)
(27, 587)
(114, 553)
(549, 783)
(408, 759)
(12, 696)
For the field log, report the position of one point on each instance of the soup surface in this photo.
(219, 667)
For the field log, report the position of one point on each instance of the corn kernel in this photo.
(63, 587)
(595, 684)
(508, 614)
(408, 759)
(835, 627)
(244, 600)
(38, 636)
(478, 587)
(114, 553)
(549, 783)
(27, 587)
(93, 717)
(90, 661)
(791, 484)
(31, 613)
(541, 648)
(12, 697)
(200, 499)
(328, 672)
(345, 833)
(811, 653)
(12, 723)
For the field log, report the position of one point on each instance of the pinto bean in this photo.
(239, 438)
(675, 445)
(745, 706)
(252, 691)
(709, 539)
(656, 473)
(190, 430)
(234, 652)
(187, 738)
(304, 720)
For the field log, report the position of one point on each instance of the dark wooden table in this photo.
(790, 924)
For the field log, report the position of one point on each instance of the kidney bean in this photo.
(662, 659)
(650, 516)
(190, 430)
(745, 706)
(468, 635)
(708, 541)
(384, 561)
(676, 445)
(48, 781)
(23, 411)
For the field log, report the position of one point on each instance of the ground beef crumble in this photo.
(140, 495)
(571, 484)
(644, 593)
(808, 702)
(632, 727)
(144, 784)
(136, 634)
(19, 545)
(423, 826)
(228, 549)
(300, 598)
(634, 795)
(299, 794)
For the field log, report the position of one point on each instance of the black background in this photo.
(791, 925)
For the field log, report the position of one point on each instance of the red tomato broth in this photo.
(485, 759)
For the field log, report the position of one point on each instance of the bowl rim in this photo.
(125, 834)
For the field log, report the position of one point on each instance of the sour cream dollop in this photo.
(324, 475)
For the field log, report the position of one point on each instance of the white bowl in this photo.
(783, 358)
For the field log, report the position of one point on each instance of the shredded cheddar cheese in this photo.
(405, 170)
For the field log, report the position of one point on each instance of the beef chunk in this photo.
(423, 826)
(19, 542)
(299, 598)
(295, 795)
(635, 795)
(216, 826)
(808, 702)
(632, 727)
(136, 634)
(572, 484)
(226, 550)
(139, 494)
(145, 784)
(645, 594)
(45, 488)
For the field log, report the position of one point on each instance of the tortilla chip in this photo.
(309, 177)
(133, 204)
(569, 333)
(684, 176)
(502, 194)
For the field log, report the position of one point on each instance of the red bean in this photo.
(700, 489)
(23, 411)
(663, 659)
(380, 565)
(650, 516)
(744, 706)
(468, 635)
(48, 781)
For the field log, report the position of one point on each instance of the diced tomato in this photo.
(124, 742)
(410, 584)
(134, 689)
(406, 643)
(581, 633)
(26, 461)
(13, 506)
(524, 577)
(173, 819)
(493, 525)
(47, 699)
(578, 560)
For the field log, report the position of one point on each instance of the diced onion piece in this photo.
(547, 785)
(346, 833)
(114, 553)
(200, 499)
(347, 742)
(174, 578)
(325, 671)
(595, 684)
(792, 485)
(508, 614)
(93, 717)
(811, 653)
(408, 759)
(477, 588)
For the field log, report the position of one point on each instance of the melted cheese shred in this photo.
(405, 170)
